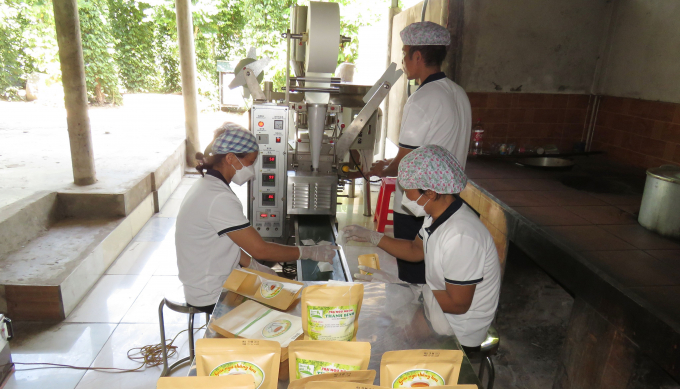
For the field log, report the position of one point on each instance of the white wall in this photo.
(643, 54)
(543, 45)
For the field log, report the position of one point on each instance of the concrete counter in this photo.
(581, 227)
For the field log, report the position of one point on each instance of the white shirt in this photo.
(459, 250)
(205, 253)
(437, 113)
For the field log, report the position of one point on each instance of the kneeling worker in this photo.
(461, 262)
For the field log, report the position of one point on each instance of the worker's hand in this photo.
(318, 253)
(377, 168)
(254, 265)
(361, 234)
(376, 275)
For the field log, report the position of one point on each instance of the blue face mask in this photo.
(413, 206)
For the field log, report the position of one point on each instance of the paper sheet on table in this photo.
(252, 320)
(322, 266)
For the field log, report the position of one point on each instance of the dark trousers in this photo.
(207, 309)
(407, 227)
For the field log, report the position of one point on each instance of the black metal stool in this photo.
(175, 301)
(488, 348)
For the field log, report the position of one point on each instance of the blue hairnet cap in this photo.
(234, 139)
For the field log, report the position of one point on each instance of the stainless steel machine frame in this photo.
(305, 144)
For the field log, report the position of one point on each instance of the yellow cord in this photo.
(148, 356)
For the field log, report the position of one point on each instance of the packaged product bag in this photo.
(252, 320)
(277, 292)
(354, 385)
(420, 368)
(365, 377)
(309, 357)
(244, 381)
(369, 260)
(259, 358)
(331, 311)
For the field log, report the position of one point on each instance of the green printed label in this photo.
(240, 367)
(307, 368)
(331, 323)
(276, 328)
(270, 289)
(419, 378)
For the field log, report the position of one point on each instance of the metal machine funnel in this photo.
(316, 122)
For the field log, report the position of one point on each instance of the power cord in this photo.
(148, 356)
(361, 170)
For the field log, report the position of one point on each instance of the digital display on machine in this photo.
(268, 179)
(268, 199)
(278, 124)
(269, 161)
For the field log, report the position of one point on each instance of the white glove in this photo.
(254, 265)
(377, 276)
(324, 253)
(361, 234)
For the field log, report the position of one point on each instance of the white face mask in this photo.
(243, 175)
(413, 206)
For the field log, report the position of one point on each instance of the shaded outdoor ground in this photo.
(129, 141)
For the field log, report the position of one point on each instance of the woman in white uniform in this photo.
(212, 235)
(461, 262)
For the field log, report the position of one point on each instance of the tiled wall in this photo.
(638, 132)
(530, 119)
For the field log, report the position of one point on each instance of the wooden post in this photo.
(67, 25)
(187, 57)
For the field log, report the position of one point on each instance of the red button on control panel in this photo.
(278, 139)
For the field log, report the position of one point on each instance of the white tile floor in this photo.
(121, 310)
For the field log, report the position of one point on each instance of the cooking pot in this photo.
(660, 210)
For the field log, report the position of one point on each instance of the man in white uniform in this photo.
(463, 270)
(437, 113)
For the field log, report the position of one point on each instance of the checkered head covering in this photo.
(234, 139)
(425, 34)
(432, 167)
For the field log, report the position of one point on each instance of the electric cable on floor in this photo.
(149, 356)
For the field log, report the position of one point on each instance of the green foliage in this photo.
(167, 48)
(132, 44)
(133, 28)
(101, 73)
(28, 43)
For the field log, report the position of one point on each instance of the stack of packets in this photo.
(252, 320)
(244, 381)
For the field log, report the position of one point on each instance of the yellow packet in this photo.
(277, 292)
(420, 368)
(259, 358)
(330, 311)
(243, 381)
(354, 385)
(369, 260)
(310, 358)
(358, 376)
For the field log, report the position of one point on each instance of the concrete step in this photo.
(55, 246)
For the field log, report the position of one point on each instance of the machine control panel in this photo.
(268, 190)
